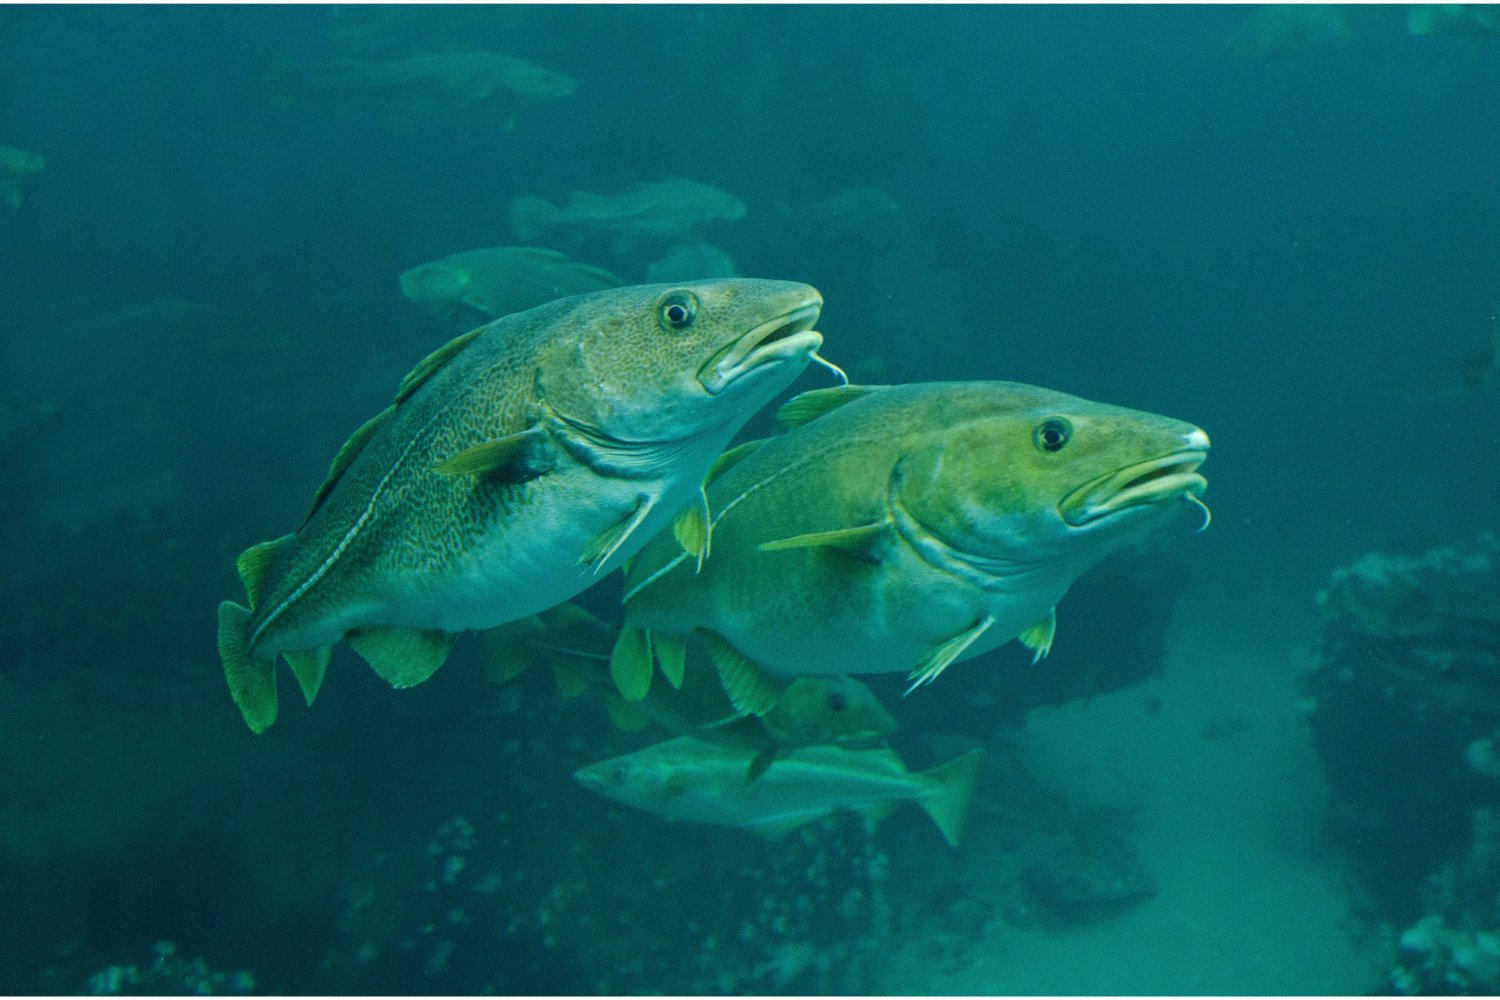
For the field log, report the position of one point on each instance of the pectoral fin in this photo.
(693, 529)
(761, 764)
(403, 657)
(598, 552)
(748, 687)
(730, 458)
(1038, 638)
(671, 653)
(937, 661)
(515, 458)
(309, 666)
(861, 540)
(630, 663)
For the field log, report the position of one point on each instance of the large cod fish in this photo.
(902, 528)
(518, 464)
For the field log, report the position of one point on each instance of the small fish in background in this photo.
(498, 281)
(1474, 20)
(688, 779)
(17, 165)
(1286, 27)
(812, 711)
(517, 465)
(903, 528)
(657, 211)
(473, 84)
(691, 262)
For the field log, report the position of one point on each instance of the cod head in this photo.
(1040, 482)
(658, 364)
(829, 708)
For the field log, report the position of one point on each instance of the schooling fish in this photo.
(688, 779)
(903, 529)
(813, 710)
(498, 281)
(517, 465)
(659, 210)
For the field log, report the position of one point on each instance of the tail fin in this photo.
(252, 682)
(530, 215)
(949, 803)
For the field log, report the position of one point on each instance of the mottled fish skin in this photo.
(977, 514)
(626, 413)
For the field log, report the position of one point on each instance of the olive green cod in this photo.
(517, 465)
(902, 528)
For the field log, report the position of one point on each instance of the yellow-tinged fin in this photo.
(693, 529)
(950, 804)
(671, 653)
(514, 458)
(309, 666)
(748, 687)
(346, 456)
(860, 540)
(403, 657)
(626, 716)
(433, 363)
(252, 683)
(1038, 638)
(597, 552)
(254, 563)
(630, 663)
(730, 458)
(935, 662)
(815, 403)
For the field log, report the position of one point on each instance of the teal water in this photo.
(1279, 226)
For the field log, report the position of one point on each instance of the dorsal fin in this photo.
(429, 366)
(815, 403)
(346, 456)
(254, 563)
(730, 458)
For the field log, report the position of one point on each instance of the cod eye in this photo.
(679, 310)
(1051, 435)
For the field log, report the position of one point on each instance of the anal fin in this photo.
(309, 666)
(403, 657)
(748, 687)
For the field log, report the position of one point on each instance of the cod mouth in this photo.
(1142, 484)
(788, 336)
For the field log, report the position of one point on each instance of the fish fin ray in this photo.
(935, 662)
(252, 682)
(515, 458)
(731, 458)
(1038, 638)
(693, 529)
(402, 657)
(347, 453)
(599, 551)
(748, 687)
(255, 563)
(809, 406)
(671, 654)
(433, 363)
(860, 540)
(630, 663)
(949, 806)
(760, 764)
(309, 667)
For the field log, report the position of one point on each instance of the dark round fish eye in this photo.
(837, 702)
(1051, 435)
(679, 310)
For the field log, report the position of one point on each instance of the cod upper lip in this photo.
(786, 336)
(1144, 482)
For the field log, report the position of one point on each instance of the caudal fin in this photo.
(949, 804)
(530, 216)
(252, 682)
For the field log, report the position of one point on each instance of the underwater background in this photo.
(1260, 759)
